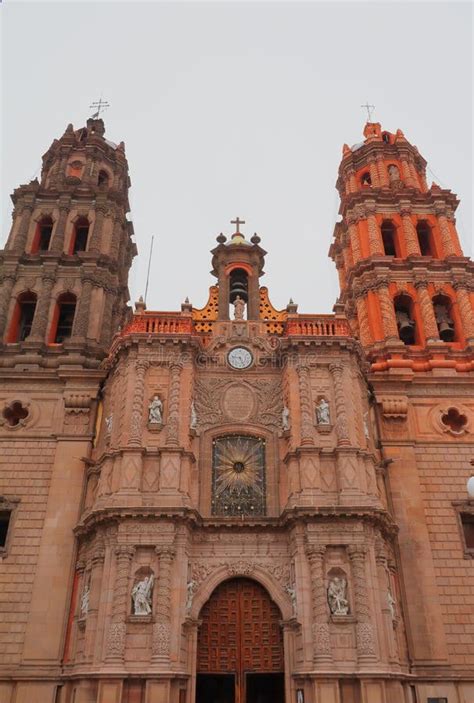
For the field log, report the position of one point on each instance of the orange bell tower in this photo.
(404, 279)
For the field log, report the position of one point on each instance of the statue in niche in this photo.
(323, 416)
(393, 173)
(391, 605)
(285, 419)
(190, 588)
(292, 593)
(193, 421)
(366, 425)
(337, 596)
(85, 601)
(108, 424)
(141, 596)
(239, 308)
(155, 411)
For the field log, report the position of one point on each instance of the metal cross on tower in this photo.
(237, 222)
(99, 105)
(370, 109)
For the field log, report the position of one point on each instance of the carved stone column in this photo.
(40, 320)
(363, 318)
(427, 312)
(172, 430)
(413, 172)
(116, 236)
(407, 177)
(305, 405)
(375, 238)
(384, 589)
(162, 627)
(382, 170)
(106, 332)
(5, 295)
(342, 427)
(136, 417)
(57, 242)
(389, 320)
(409, 230)
(96, 237)
(374, 173)
(115, 648)
(351, 180)
(364, 628)
(321, 635)
(81, 319)
(354, 239)
(97, 568)
(465, 309)
(22, 232)
(445, 231)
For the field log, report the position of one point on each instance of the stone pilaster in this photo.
(382, 171)
(366, 653)
(81, 319)
(321, 635)
(383, 579)
(97, 569)
(407, 177)
(445, 231)
(161, 643)
(136, 417)
(365, 334)
(465, 309)
(427, 312)
(375, 238)
(22, 232)
(354, 239)
(374, 173)
(117, 628)
(5, 295)
(57, 242)
(305, 405)
(409, 230)
(389, 320)
(96, 237)
(40, 320)
(172, 433)
(342, 427)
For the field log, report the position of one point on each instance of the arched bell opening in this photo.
(404, 313)
(238, 293)
(444, 318)
(240, 651)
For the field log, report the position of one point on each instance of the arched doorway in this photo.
(240, 646)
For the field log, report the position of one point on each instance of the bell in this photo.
(405, 327)
(238, 287)
(446, 332)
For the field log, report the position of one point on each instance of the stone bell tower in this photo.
(66, 261)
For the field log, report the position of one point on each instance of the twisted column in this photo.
(96, 237)
(320, 629)
(389, 319)
(364, 627)
(427, 312)
(374, 173)
(407, 177)
(40, 319)
(136, 417)
(172, 434)
(465, 309)
(445, 231)
(354, 239)
(81, 319)
(363, 319)
(305, 405)
(57, 242)
(162, 627)
(5, 295)
(382, 170)
(375, 238)
(97, 568)
(342, 428)
(351, 180)
(115, 648)
(22, 232)
(409, 230)
(413, 172)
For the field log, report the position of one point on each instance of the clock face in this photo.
(240, 358)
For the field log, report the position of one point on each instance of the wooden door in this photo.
(240, 633)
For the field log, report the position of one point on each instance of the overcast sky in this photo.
(238, 109)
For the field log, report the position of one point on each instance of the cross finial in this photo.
(98, 105)
(370, 109)
(237, 222)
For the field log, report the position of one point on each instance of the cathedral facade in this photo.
(234, 503)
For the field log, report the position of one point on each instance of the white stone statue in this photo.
(392, 605)
(155, 411)
(108, 424)
(393, 173)
(85, 601)
(337, 596)
(322, 412)
(141, 595)
(366, 425)
(190, 588)
(285, 418)
(239, 308)
(193, 421)
(292, 593)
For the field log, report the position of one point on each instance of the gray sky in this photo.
(238, 109)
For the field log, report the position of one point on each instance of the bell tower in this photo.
(66, 261)
(403, 276)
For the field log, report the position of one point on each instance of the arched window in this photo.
(22, 320)
(389, 234)
(365, 179)
(425, 238)
(42, 238)
(386, 137)
(61, 328)
(444, 319)
(103, 179)
(405, 319)
(80, 235)
(238, 289)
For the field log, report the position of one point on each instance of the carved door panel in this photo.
(240, 633)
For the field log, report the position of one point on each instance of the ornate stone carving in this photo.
(395, 408)
(337, 596)
(323, 416)
(322, 638)
(161, 639)
(305, 405)
(342, 428)
(141, 596)
(136, 417)
(116, 639)
(172, 436)
(240, 568)
(155, 411)
(322, 642)
(364, 628)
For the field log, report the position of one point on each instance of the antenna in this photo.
(149, 264)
